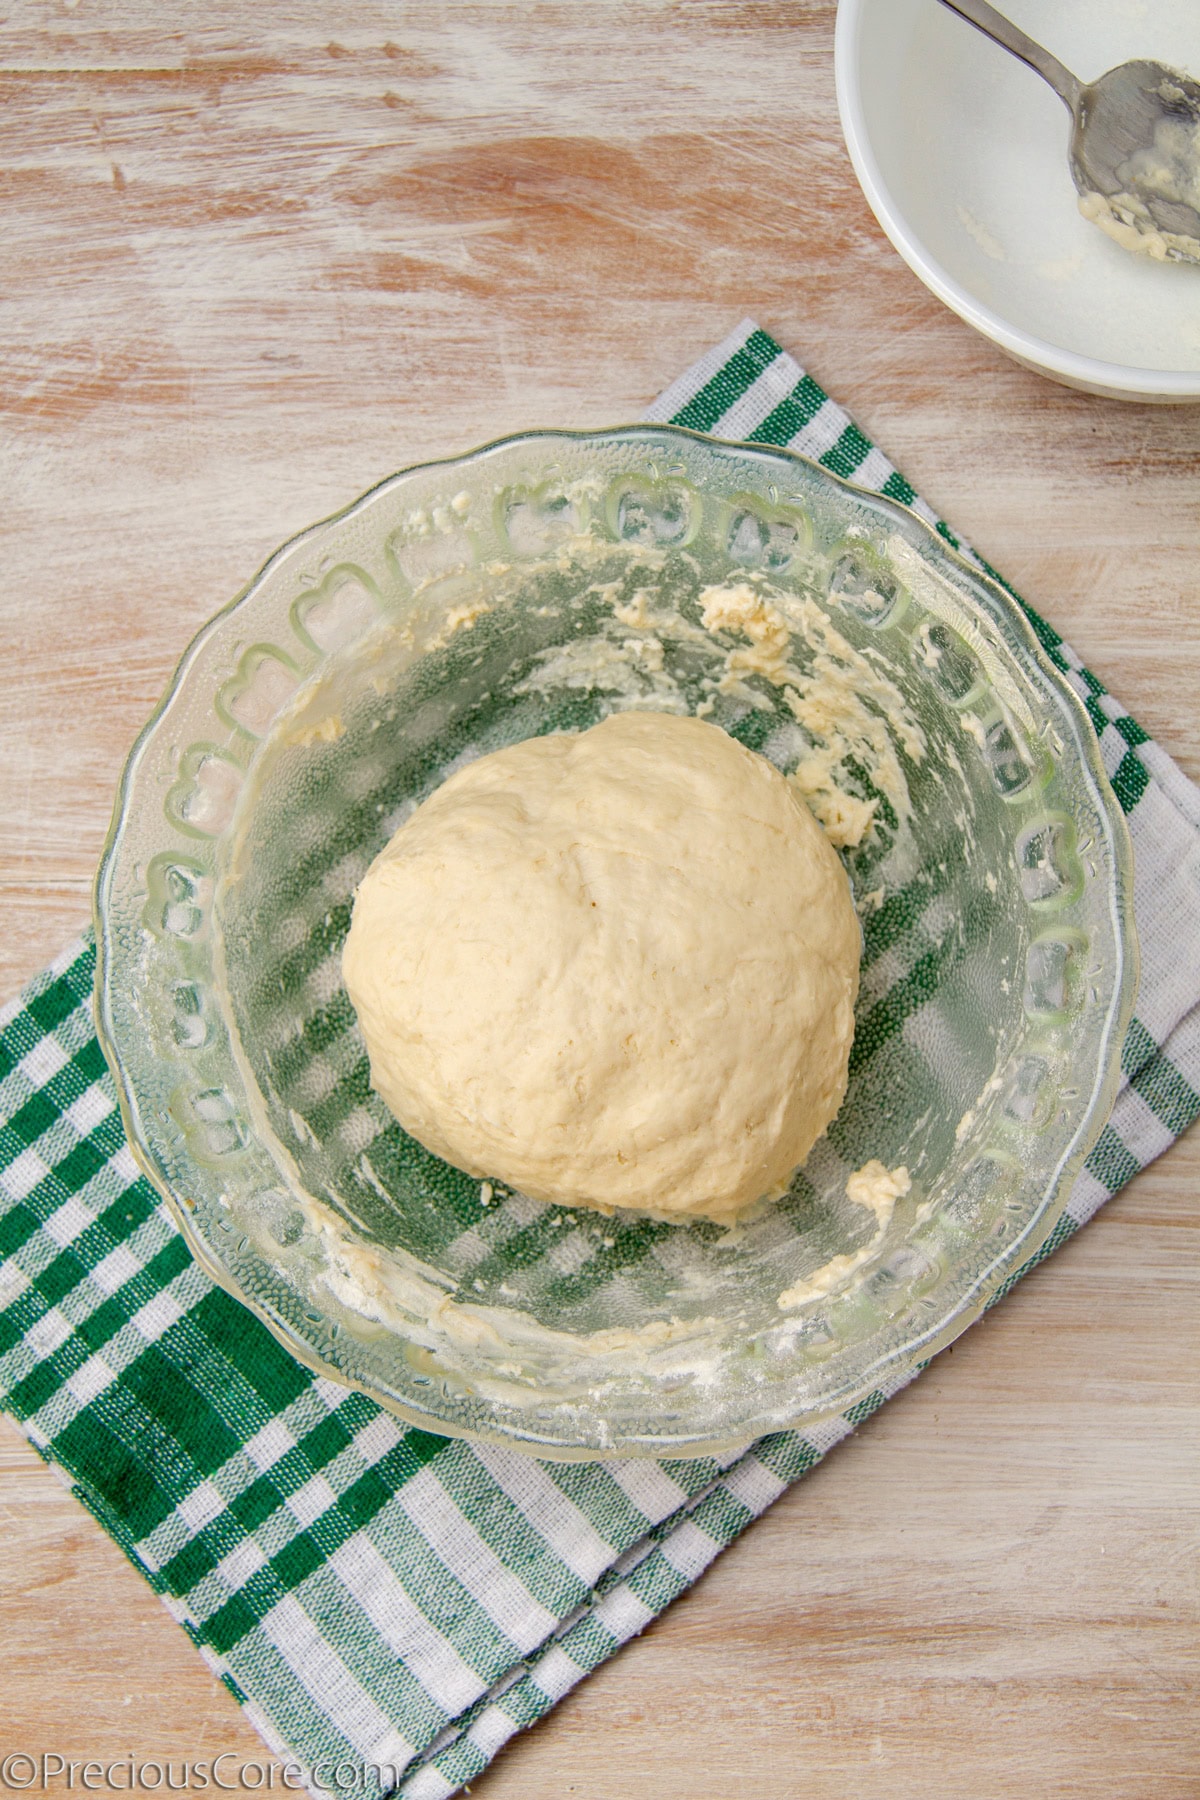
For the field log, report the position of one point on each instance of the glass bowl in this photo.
(535, 586)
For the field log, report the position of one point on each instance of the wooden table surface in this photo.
(254, 258)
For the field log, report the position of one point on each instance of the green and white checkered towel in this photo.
(377, 1598)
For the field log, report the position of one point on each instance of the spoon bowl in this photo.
(1136, 143)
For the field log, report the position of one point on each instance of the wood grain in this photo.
(252, 261)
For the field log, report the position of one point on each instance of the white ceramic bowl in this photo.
(961, 152)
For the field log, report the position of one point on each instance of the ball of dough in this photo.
(613, 969)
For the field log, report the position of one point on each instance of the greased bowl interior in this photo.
(535, 586)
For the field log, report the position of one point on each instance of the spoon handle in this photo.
(1011, 37)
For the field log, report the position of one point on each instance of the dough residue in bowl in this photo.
(846, 706)
(1168, 169)
(877, 1188)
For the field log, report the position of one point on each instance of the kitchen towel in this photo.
(387, 1605)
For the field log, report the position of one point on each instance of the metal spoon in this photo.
(1135, 147)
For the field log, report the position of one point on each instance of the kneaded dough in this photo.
(612, 969)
